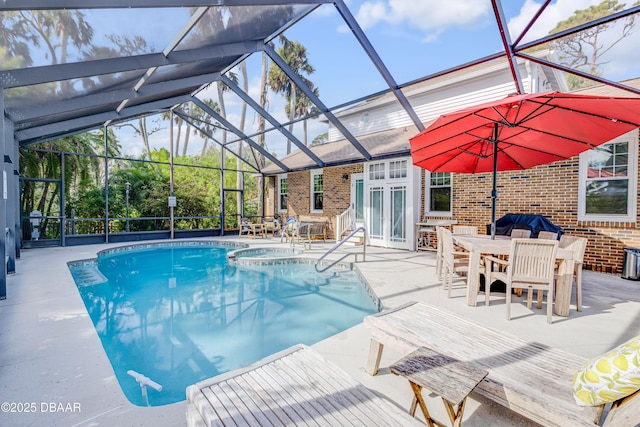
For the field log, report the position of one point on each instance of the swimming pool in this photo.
(178, 313)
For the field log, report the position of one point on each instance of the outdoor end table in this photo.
(449, 378)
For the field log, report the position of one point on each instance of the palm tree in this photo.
(243, 116)
(304, 107)
(206, 125)
(264, 95)
(295, 55)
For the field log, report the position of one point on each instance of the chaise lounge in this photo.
(295, 387)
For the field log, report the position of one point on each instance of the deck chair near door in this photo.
(271, 225)
(578, 245)
(549, 235)
(452, 261)
(290, 231)
(530, 266)
(245, 227)
(439, 261)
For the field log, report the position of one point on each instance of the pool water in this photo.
(178, 314)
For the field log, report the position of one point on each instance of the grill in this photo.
(534, 223)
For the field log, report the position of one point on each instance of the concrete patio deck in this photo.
(52, 358)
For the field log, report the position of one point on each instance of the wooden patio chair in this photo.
(250, 229)
(549, 235)
(245, 227)
(270, 225)
(439, 256)
(465, 229)
(530, 266)
(578, 245)
(439, 252)
(520, 233)
(290, 231)
(452, 261)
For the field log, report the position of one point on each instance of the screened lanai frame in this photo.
(162, 80)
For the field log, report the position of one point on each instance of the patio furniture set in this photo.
(545, 264)
(294, 230)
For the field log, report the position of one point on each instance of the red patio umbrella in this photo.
(522, 131)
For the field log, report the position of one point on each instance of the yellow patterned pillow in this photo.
(609, 377)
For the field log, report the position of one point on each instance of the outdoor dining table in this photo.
(477, 245)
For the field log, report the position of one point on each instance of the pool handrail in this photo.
(340, 243)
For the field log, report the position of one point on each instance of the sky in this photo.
(413, 38)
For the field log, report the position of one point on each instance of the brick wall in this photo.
(549, 190)
(336, 195)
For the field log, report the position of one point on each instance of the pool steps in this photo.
(88, 275)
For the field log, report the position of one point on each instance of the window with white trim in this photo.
(608, 176)
(438, 194)
(376, 171)
(317, 188)
(283, 192)
(397, 169)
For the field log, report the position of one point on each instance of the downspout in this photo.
(106, 186)
(532, 77)
(171, 173)
(62, 201)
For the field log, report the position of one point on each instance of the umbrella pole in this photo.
(494, 191)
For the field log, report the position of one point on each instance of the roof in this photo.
(389, 143)
(608, 90)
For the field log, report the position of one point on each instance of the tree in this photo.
(243, 116)
(320, 139)
(295, 55)
(82, 172)
(57, 29)
(264, 94)
(584, 50)
(305, 107)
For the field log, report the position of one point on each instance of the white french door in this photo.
(398, 221)
(387, 208)
(390, 205)
(357, 198)
(376, 216)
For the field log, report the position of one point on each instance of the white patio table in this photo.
(477, 245)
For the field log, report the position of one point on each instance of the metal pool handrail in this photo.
(340, 243)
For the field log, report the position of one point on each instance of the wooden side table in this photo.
(445, 376)
(425, 229)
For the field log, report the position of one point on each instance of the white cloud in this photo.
(425, 15)
(553, 14)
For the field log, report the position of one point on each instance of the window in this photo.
(607, 187)
(317, 188)
(398, 169)
(439, 193)
(283, 192)
(376, 171)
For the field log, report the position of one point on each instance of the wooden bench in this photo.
(294, 387)
(529, 378)
(315, 227)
